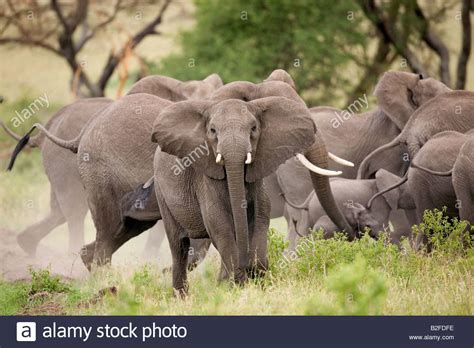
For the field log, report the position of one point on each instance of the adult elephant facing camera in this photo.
(221, 196)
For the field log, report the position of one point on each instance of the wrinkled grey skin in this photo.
(283, 76)
(448, 111)
(67, 198)
(444, 152)
(226, 201)
(353, 195)
(174, 90)
(427, 189)
(463, 179)
(109, 129)
(361, 134)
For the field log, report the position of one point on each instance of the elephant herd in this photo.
(215, 162)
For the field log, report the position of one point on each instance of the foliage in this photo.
(358, 290)
(445, 235)
(42, 280)
(244, 40)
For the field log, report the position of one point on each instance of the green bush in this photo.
(445, 235)
(42, 280)
(357, 288)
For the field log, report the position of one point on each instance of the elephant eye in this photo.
(254, 128)
(411, 98)
(212, 130)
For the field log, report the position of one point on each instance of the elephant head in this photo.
(247, 91)
(400, 96)
(247, 141)
(175, 90)
(391, 194)
(400, 93)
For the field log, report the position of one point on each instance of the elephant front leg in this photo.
(258, 227)
(179, 246)
(220, 228)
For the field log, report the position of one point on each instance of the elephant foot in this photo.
(87, 255)
(256, 272)
(27, 243)
(181, 293)
(240, 277)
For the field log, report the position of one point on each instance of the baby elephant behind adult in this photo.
(353, 196)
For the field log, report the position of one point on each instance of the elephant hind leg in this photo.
(74, 206)
(29, 238)
(179, 246)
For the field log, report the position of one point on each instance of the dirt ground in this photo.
(15, 263)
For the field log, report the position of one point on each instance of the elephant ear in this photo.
(214, 80)
(277, 89)
(160, 86)
(286, 128)
(396, 97)
(180, 130)
(283, 76)
(384, 179)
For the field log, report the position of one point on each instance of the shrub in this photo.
(358, 289)
(445, 235)
(42, 280)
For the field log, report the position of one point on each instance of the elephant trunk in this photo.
(234, 165)
(317, 155)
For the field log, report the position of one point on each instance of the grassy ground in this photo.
(330, 277)
(327, 277)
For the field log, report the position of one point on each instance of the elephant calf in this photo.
(353, 195)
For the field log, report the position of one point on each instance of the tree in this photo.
(335, 49)
(404, 25)
(65, 28)
(246, 40)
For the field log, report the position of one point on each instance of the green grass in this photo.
(324, 277)
(329, 277)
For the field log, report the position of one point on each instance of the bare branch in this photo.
(435, 43)
(467, 6)
(29, 42)
(388, 33)
(85, 38)
(114, 59)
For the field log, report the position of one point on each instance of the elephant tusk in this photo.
(218, 158)
(340, 160)
(314, 168)
(249, 158)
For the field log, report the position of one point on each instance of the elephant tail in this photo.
(366, 168)
(390, 188)
(33, 142)
(433, 172)
(303, 205)
(71, 145)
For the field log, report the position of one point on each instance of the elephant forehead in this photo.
(229, 109)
